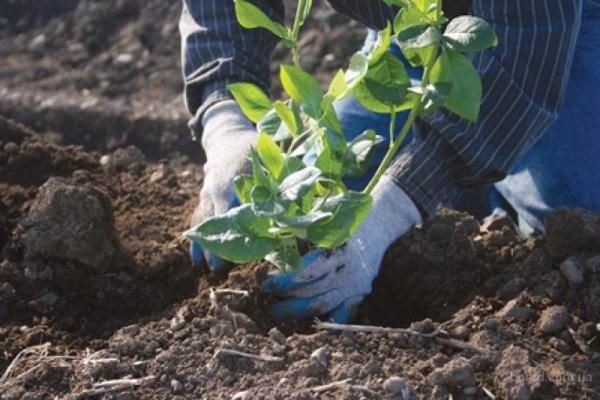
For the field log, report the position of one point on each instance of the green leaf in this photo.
(337, 87)
(272, 124)
(329, 164)
(238, 236)
(260, 178)
(297, 184)
(465, 96)
(286, 257)
(381, 46)
(434, 96)
(265, 202)
(384, 86)
(251, 99)
(419, 43)
(469, 34)
(350, 210)
(243, 185)
(360, 152)
(270, 155)
(289, 116)
(357, 70)
(330, 119)
(303, 88)
(303, 221)
(250, 16)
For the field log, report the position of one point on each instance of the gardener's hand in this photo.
(227, 138)
(336, 282)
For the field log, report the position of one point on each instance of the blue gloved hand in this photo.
(227, 139)
(335, 283)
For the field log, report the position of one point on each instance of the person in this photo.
(533, 149)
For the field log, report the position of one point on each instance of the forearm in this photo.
(523, 79)
(216, 50)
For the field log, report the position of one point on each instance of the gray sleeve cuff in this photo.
(213, 93)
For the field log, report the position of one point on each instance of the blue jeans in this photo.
(561, 170)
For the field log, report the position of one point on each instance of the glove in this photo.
(335, 282)
(227, 139)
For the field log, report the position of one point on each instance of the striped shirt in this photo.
(523, 78)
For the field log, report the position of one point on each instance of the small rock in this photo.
(49, 299)
(560, 345)
(176, 386)
(276, 335)
(11, 148)
(587, 330)
(496, 222)
(461, 332)
(554, 319)
(425, 326)
(38, 44)
(513, 310)
(123, 59)
(241, 395)
(396, 385)
(571, 271)
(105, 160)
(321, 356)
(458, 372)
(160, 173)
(129, 158)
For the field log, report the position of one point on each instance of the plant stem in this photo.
(393, 149)
(296, 31)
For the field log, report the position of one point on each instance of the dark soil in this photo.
(130, 318)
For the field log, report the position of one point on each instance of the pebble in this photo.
(425, 326)
(276, 335)
(513, 310)
(11, 148)
(176, 386)
(240, 395)
(461, 332)
(554, 319)
(321, 356)
(571, 271)
(38, 44)
(395, 385)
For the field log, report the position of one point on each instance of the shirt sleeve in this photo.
(216, 50)
(523, 80)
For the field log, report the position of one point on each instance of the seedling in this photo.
(296, 193)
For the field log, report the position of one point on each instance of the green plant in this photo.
(295, 192)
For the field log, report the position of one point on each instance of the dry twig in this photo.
(459, 344)
(344, 384)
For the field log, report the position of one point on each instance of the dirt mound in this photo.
(489, 311)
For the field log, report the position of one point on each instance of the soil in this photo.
(98, 298)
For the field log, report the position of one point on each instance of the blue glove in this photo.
(334, 283)
(227, 139)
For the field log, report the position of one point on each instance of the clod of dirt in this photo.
(515, 309)
(572, 231)
(456, 373)
(517, 378)
(127, 159)
(571, 271)
(397, 386)
(70, 223)
(554, 319)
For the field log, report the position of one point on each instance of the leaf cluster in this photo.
(296, 193)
